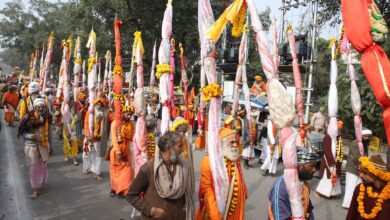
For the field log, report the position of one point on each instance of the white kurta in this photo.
(351, 181)
(92, 162)
(271, 162)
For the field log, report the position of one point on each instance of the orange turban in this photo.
(340, 124)
(225, 132)
(81, 96)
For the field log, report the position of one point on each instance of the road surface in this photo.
(72, 195)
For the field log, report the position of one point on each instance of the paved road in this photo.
(71, 195)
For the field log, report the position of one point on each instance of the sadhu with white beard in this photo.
(235, 208)
(35, 129)
(95, 147)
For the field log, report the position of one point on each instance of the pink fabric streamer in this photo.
(47, 63)
(172, 78)
(262, 42)
(282, 114)
(76, 70)
(164, 55)
(297, 82)
(333, 103)
(41, 67)
(355, 98)
(84, 78)
(153, 69)
(92, 80)
(218, 169)
(276, 56)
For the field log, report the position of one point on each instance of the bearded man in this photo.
(371, 199)
(95, 146)
(121, 173)
(162, 189)
(279, 200)
(27, 105)
(259, 87)
(34, 127)
(235, 201)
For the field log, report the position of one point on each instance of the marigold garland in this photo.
(239, 22)
(44, 137)
(383, 196)
(339, 150)
(210, 91)
(366, 163)
(118, 70)
(234, 200)
(78, 60)
(151, 144)
(128, 109)
(337, 53)
(126, 130)
(180, 123)
(91, 62)
(161, 69)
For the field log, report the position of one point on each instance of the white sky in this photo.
(292, 16)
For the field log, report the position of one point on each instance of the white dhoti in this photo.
(351, 181)
(326, 188)
(36, 158)
(264, 143)
(248, 153)
(92, 162)
(271, 162)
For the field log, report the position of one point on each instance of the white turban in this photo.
(39, 101)
(47, 90)
(366, 132)
(33, 87)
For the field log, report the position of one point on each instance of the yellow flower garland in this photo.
(180, 123)
(118, 70)
(151, 144)
(91, 62)
(77, 60)
(210, 91)
(126, 131)
(383, 175)
(161, 69)
(337, 53)
(383, 196)
(339, 150)
(234, 200)
(44, 136)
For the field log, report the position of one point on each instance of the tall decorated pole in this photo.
(172, 79)
(282, 113)
(110, 81)
(92, 80)
(297, 82)
(153, 70)
(48, 57)
(140, 144)
(164, 69)
(184, 81)
(77, 69)
(333, 131)
(276, 55)
(106, 69)
(84, 78)
(355, 98)
(118, 77)
(41, 65)
(64, 84)
(217, 164)
(366, 33)
(32, 67)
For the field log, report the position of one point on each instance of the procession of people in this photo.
(149, 134)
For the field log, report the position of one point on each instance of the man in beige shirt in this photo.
(318, 121)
